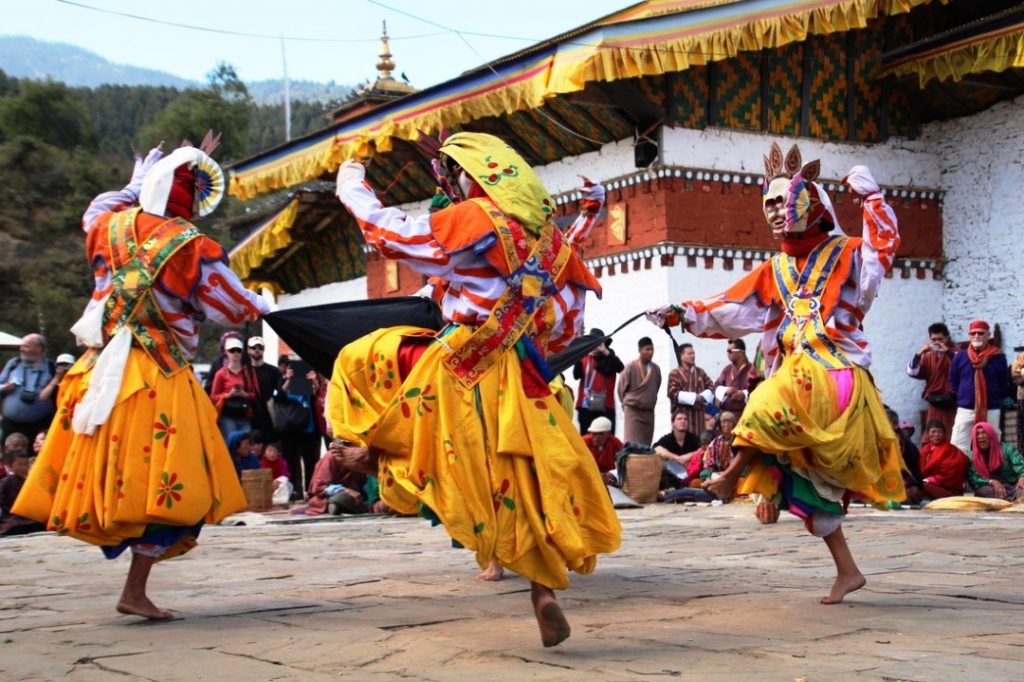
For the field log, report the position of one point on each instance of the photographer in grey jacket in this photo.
(28, 385)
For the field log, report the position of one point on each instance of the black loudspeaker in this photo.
(645, 152)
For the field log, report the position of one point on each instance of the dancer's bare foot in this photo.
(554, 628)
(723, 487)
(493, 572)
(844, 585)
(143, 607)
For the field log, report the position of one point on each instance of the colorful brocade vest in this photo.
(802, 329)
(134, 269)
(534, 277)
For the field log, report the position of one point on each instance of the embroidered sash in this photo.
(135, 268)
(531, 282)
(803, 325)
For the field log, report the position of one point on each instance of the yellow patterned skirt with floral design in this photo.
(508, 475)
(796, 413)
(158, 461)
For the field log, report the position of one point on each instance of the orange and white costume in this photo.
(134, 457)
(465, 418)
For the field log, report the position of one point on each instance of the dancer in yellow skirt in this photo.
(815, 431)
(134, 458)
(463, 421)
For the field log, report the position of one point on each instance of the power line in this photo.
(243, 34)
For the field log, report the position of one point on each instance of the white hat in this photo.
(65, 359)
(600, 425)
(232, 343)
(256, 341)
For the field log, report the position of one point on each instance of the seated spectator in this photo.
(681, 490)
(15, 444)
(677, 448)
(272, 459)
(240, 448)
(283, 486)
(911, 455)
(716, 456)
(10, 486)
(996, 469)
(603, 445)
(335, 489)
(943, 466)
(37, 444)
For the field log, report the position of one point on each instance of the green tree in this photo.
(49, 112)
(223, 106)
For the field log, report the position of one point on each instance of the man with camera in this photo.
(597, 372)
(28, 384)
(931, 365)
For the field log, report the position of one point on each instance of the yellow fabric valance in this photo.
(266, 240)
(994, 51)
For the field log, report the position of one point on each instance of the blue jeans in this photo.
(229, 425)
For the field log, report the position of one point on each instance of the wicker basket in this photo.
(643, 474)
(258, 487)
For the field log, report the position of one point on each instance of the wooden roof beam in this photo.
(631, 100)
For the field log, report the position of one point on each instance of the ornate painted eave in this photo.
(989, 45)
(651, 46)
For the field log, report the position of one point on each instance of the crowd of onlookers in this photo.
(273, 417)
(968, 387)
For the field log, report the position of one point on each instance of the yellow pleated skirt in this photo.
(158, 461)
(508, 475)
(796, 413)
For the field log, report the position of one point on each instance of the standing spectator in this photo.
(638, 389)
(981, 380)
(28, 384)
(300, 441)
(220, 360)
(943, 466)
(267, 379)
(996, 469)
(733, 385)
(320, 383)
(596, 394)
(234, 391)
(603, 445)
(1017, 376)
(689, 389)
(931, 365)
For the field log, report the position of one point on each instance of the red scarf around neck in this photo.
(803, 244)
(978, 360)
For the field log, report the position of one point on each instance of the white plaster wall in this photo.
(896, 326)
(910, 163)
(894, 162)
(982, 159)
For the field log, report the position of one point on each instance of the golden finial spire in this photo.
(386, 65)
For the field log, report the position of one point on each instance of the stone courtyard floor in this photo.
(696, 592)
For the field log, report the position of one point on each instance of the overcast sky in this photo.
(427, 54)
